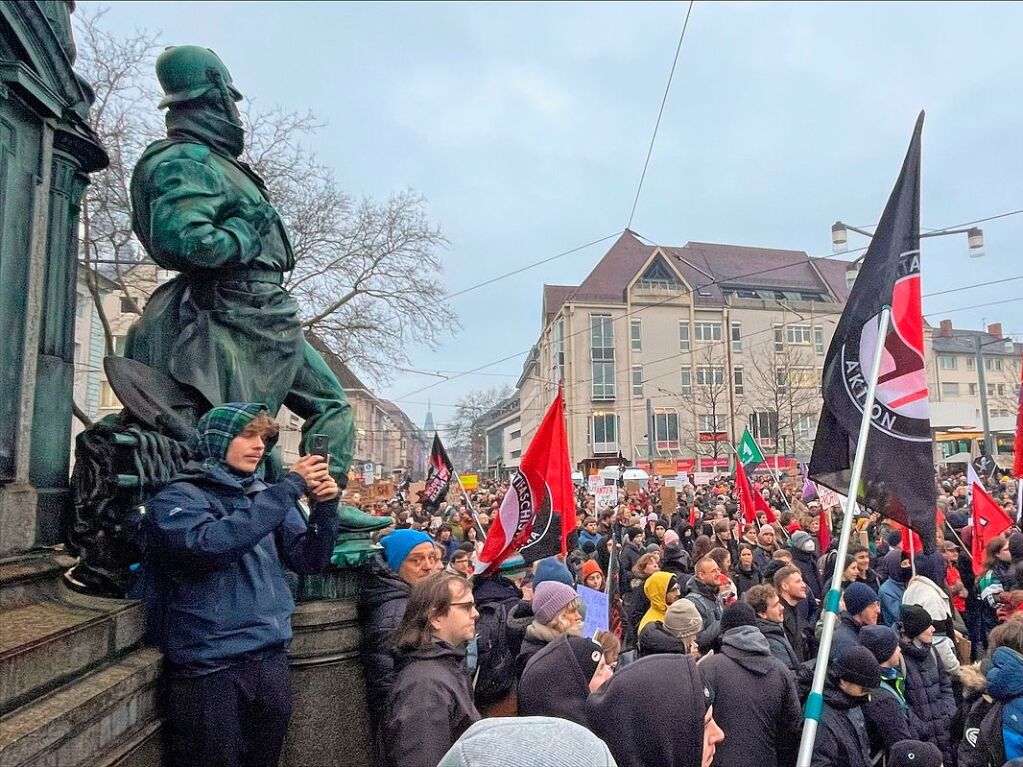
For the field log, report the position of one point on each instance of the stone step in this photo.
(99, 718)
(29, 578)
(45, 643)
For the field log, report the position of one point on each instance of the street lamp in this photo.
(840, 243)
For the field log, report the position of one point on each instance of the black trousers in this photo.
(231, 718)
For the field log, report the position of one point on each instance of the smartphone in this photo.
(318, 445)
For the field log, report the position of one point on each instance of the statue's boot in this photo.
(355, 521)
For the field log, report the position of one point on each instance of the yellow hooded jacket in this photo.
(656, 590)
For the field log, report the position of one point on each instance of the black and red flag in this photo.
(438, 476)
(898, 471)
(538, 511)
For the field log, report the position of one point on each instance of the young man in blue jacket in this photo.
(215, 542)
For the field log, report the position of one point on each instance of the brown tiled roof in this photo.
(345, 376)
(706, 267)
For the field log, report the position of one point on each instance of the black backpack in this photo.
(495, 664)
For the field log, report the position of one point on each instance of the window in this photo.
(127, 305)
(516, 453)
(736, 336)
(708, 331)
(737, 379)
(949, 390)
(687, 382)
(637, 335)
(605, 433)
(710, 424)
(107, 398)
(119, 345)
(764, 428)
(683, 335)
(80, 307)
(818, 339)
(637, 380)
(658, 276)
(603, 380)
(558, 346)
(602, 337)
(804, 378)
(990, 390)
(710, 375)
(781, 379)
(971, 363)
(946, 362)
(517, 434)
(798, 334)
(1001, 390)
(992, 363)
(805, 426)
(666, 429)
(973, 390)
(779, 338)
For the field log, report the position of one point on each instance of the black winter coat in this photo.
(841, 733)
(428, 708)
(744, 580)
(553, 684)
(628, 558)
(656, 640)
(887, 720)
(929, 695)
(754, 700)
(381, 608)
(807, 564)
(780, 646)
(677, 561)
(705, 599)
(847, 634)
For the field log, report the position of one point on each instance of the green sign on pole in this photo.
(749, 452)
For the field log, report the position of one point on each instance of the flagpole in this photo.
(815, 703)
(465, 497)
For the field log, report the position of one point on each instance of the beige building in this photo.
(956, 359)
(701, 340)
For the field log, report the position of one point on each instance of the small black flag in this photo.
(898, 473)
(438, 477)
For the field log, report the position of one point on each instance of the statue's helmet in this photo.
(187, 72)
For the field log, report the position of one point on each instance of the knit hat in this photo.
(550, 598)
(794, 528)
(737, 614)
(1016, 546)
(682, 619)
(498, 740)
(880, 640)
(801, 541)
(670, 537)
(587, 654)
(552, 569)
(858, 665)
(512, 566)
(651, 517)
(590, 567)
(652, 547)
(915, 620)
(914, 753)
(858, 597)
(398, 544)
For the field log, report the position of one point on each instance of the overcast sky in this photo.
(526, 127)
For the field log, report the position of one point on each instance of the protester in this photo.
(558, 679)
(657, 712)
(804, 556)
(891, 591)
(793, 593)
(928, 687)
(841, 734)
(555, 613)
(674, 633)
(862, 608)
(661, 589)
(431, 703)
(703, 593)
(915, 753)
(213, 543)
(770, 614)
(759, 728)
(993, 728)
(765, 548)
(513, 742)
(887, 713)
(591, 576)
(744, 573)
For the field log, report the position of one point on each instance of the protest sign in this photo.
(606, 496)
(703, 477)
(469, 482)
(595, 607)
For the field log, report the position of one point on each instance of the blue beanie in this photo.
(858, 597)
(552, 569)
(398, 544)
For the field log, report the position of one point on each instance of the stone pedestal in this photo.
(329, 723)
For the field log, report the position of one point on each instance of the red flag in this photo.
(1017, 443)
(692, 515)
(911, 543)
(989, 521)
(762, 505)
(538, 511)
(824, 533)
(747, 506)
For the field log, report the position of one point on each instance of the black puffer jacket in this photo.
(381, 608)
(780, 646)
(847, 634)
(754, 700)
(841, 734)
(554, 685)
(706, 601)
(887, 718)
(656, 640)
(929, 695)
(428, 708)
(677, 562)
(744, 580)
(807, 564)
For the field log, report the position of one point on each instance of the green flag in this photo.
(749, 452)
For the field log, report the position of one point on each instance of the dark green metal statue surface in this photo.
(223, 330)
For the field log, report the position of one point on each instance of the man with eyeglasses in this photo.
(409, 557)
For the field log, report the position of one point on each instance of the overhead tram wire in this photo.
(660, 113)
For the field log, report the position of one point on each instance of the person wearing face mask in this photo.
(841, 733)
(928, 687)
(559, 678)
(804, 556)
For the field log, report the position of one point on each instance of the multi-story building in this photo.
(502, 436)
(697, 341)
(956, 361)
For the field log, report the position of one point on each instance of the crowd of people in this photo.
(707, 657)
(712, 645)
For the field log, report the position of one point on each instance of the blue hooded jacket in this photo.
(213, 541)
(1005, 683)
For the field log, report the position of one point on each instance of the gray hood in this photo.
(511, 742)
(748, 647)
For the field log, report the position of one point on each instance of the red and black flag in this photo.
(898, 473)
(438, 477)
(538, 511)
